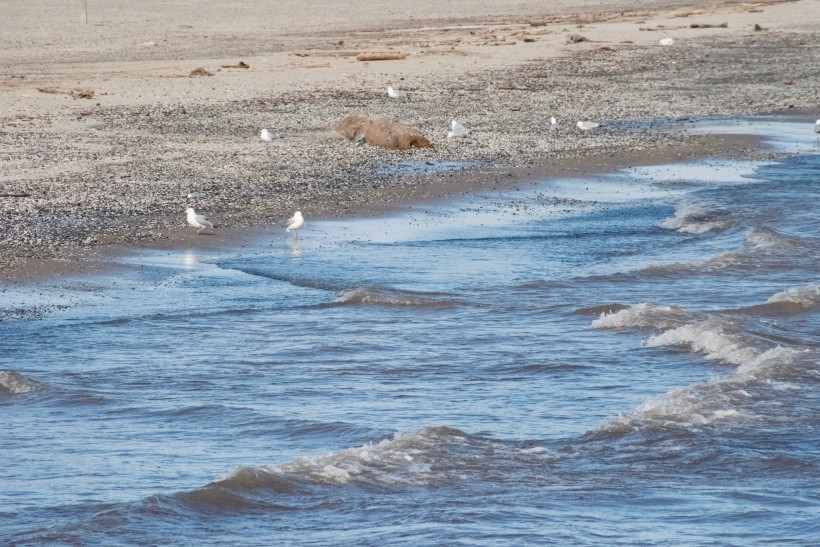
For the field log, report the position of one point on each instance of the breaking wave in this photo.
(643, 315)
(14, 383)
(696, 218)
(377, 296)
(805, 297)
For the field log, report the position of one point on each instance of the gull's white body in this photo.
(200, 222)
(456, 130)
(666, 41)
(553, 123)
(294, 223)
(586, 126)
(395, 93)
(267, 136)
(817, 126)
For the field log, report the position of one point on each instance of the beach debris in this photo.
(294, 223)
(576, 38)
(395, 93)
(200, 72)
(198, 221)
(456, 130)
(757, 28)
(267, 136)
(788, 81)
(384, 56)
(20, 195)
(380, 131)
(817, 127)
(194, 195)
(704, 25)
(554, 125)
(586, 126)
(77, 93)
(605, 48)
(240, 64)
(666, 41)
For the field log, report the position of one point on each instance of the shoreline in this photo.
(112, 173)
(97, 260)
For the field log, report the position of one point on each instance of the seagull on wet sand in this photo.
(395, 93)
(586, 126)
(456, 130)
(200, 222)
(294, 223)
(267, 136)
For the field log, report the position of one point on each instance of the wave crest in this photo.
(643, 315)
(695, 218)
(377, 296)
(14, 383)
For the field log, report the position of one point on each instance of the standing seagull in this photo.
(267, 136)
(817, 127)
(294, 223)
(586, 126)
(395, 93)
(457, 130)
(200, 222)
(553, 123)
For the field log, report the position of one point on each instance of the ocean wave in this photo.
(695, 218)
(14, 383)
(703, 403)
(805, 297)
(709, 338)
(643, 315)
(378, 296)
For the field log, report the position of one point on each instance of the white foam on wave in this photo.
(805, 297)
(643, 315)
(709, 338)
(694, 218)
(704, 403)
(15, 383)
(426, 457)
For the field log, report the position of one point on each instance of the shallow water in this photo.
(631, 358)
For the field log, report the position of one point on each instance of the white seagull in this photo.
(817, 126)
(586, 126)
(666, 41)
(267, 136)
(294, 223)
(554, 123)
(456, 130)
(200, 222)
(395, 93)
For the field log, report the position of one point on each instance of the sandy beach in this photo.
(106, 132)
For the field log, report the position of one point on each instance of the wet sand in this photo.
(82, 177)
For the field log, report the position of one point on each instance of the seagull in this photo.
(200, 222)
(817, 126)
(457, 130)
(294, 223)
(666, 41)
(267, 136)
(395, 93)
(554, 123)
(586, 126)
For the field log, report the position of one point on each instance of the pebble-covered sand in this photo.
(89, 174)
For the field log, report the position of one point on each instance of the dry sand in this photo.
(79, 174)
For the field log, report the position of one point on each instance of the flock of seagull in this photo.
(297, 221)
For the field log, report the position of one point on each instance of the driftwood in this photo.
(200, 72)
(576, 38)
(324, 53)
(240, 64)
(386, 56)
(15, 195)
(73, 93)
(702, 25)
(381, 131)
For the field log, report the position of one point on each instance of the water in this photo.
(631, 358)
